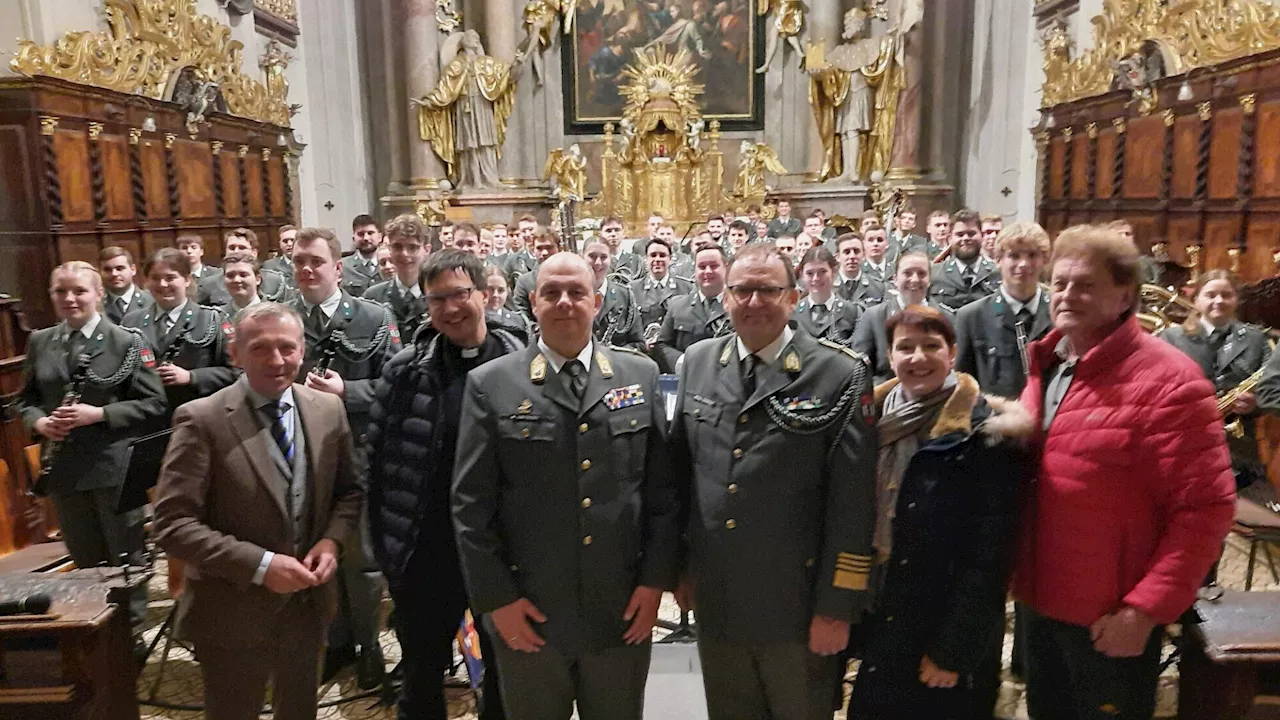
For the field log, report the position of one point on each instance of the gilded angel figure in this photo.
(570, 171)
(754, 160)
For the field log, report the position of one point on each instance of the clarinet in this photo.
(175, 348)
(328, 352)
(50, 448)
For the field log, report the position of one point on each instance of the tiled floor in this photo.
(179, 683)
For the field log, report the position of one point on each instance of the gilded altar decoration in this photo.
(540, 19)
(433, 208)
(754, 160)
(283, 9)
(148, 43)
(448, 20)
(569, 169)
(465, 116)
(669, 161)
(788, 24)
(854, 96)
(1186, 35)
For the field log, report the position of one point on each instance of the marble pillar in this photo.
(500, 30)
(825, 24)
(422, 71)
(400, 136)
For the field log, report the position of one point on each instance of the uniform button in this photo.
(634, 422)
(737, 452)
(586, 502)
(696, 411)
(514, 568)
(733, 488)
(911, 506)
(586, 464)
(582, 428)
(524, 432)
(586, 540)
(808, 563)
(730, 524)
(889, 619)
(742, 419)
(903, 561)
(871, 669)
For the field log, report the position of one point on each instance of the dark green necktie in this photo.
(577, 375)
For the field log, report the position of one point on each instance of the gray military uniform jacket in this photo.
(196, 342)
(688, 321)
(883, 276)
(836, 323)
(653, 295)
(781, 488)
(568, 504)
(209, 287)
(358, 274)
(870, 339)
(863, 291)
(948, 287)
(282, 266)
(522, 292)
(119, 377)
(141, 300)
(410, 311)
(987, 343)
(618, 319)
(629, 264)
(790, 225)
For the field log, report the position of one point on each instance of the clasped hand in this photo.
(330, 382)
(286, 574)
(66, 418)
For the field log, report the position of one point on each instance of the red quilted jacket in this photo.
(1134, 489)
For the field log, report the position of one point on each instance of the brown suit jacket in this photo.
(220, 503)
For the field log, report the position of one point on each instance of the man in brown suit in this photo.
(256, 492)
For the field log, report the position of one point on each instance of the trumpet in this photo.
(1232, 422)
(49, 449)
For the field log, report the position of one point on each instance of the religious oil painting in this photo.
(725, 38)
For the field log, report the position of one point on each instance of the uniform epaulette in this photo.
(845, 349)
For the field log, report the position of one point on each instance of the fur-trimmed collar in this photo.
(1008, 420)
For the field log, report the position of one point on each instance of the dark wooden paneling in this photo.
(1105, 163)
(194, 162)
(1262, 238)
(257, 201)
(232, 203)
(1220, 232)
(1267, 174)
(1186, 141)
(155, 179)
(1080, 167)
(1057, 164)
(72, 150)
(276, 175)
(117, 185)
(1144, 158)
(1183, 230)
(1224, 154)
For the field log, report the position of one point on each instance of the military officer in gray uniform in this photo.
(545, 244)
(618, 319)
(407, 236)
(698, 315)
(775, 442)
(992, 334)
(625, 262)
(123, 295)
(966, 275)
(656, 288)
(119, 391)
(820, 313)
(912, 288)
(878, 264)
(354, 338)
(360, 268)
(565, 511)
(853, 285)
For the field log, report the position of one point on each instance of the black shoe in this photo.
(335, 659)
(371, 668)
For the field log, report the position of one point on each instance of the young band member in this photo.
(406, 236)
(617, 320)
(273, 286)
(118, 274)
(242, 277)
(821, 313)
(88, 385)
(207, 280)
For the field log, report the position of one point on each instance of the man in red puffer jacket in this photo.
(1134, 490)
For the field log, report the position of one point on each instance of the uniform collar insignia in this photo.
(526, 407)
(727, 353)
(538, 369)
(791, 360)
(606, 368)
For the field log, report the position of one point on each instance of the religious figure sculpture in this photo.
(754, 160)
(570, 171)
(465, 116)
(788, 23)
(540, 17)
(841, 93)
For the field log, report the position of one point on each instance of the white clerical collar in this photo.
(1032, 305)
(126, 297)
(769, 353)
(413, 290)
(557, 360)
(329, 306)
(87, 329)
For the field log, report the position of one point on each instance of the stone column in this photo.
(400, 136)
(904, 161)
(422, 71)
(500, 30)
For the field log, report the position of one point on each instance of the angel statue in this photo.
(753, 160)
(788, 23)
(540, 18)
(570, 171)
(842, 93)
(465, 116)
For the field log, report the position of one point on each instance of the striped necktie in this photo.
(275, 412)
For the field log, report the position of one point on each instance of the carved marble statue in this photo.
(570, 171)
(788, 23)
(465, 116)
(844, 100)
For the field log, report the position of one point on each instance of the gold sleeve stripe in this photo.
(851, 556)
(847, 580)
(853, 563)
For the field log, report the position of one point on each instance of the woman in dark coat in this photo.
(949, 473)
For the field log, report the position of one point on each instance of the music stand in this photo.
(145, 456)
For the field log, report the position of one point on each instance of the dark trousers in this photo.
(1068, 680)
(426, 627)
(766, 682)
(96, 535)
(360, 588)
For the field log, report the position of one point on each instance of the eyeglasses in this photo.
(458, 296)
(768, 293)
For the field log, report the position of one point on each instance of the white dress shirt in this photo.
(557, 360)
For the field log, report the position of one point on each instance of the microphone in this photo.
(37, 604)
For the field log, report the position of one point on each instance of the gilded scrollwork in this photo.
(1188, 34)
(146, 44)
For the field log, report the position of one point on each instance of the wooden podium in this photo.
(74, 662)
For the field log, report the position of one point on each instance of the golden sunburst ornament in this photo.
(660, 87)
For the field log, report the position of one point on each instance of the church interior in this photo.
(130, 123)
